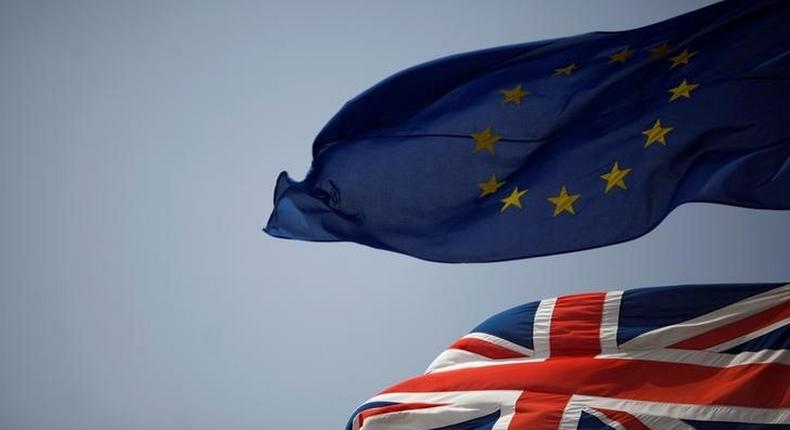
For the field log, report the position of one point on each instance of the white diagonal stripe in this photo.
(672, 334)
(749, 336)
(484, 401)
(737, 414)
(454, 358)
(605, 419)
(664, 423)
(504, 343)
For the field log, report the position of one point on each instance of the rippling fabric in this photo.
(558, 145)
(697, 357)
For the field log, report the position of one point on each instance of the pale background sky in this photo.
(139, 144)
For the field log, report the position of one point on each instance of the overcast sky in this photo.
(139, 145)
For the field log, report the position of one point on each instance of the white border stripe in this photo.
(541, 328)
(610, 321)
(570, 417)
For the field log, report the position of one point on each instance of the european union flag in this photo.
(556, 146)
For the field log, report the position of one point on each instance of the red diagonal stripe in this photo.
(393, 408)
(736, 329)
(576, 325)
(485, 348)
(625, 419)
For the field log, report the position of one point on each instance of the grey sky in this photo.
(139, 144)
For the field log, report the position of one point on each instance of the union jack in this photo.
(680, 358)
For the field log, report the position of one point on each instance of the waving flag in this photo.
(673, 358)
(556, 146)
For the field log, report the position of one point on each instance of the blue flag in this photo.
(556, 146)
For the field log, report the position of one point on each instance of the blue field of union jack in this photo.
(689, 357)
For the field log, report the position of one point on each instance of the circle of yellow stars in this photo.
(615, 178)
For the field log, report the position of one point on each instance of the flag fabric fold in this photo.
(695, 357)
(556, 146)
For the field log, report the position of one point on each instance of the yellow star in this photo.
(682, 90)
(564, 201)
(513, 95)
(567, 70)
(514, 199)
(682, 58)
(485, 140)
(615, 177)
(659, 51)
(489, 187)
(657, 133)
(621, 56)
